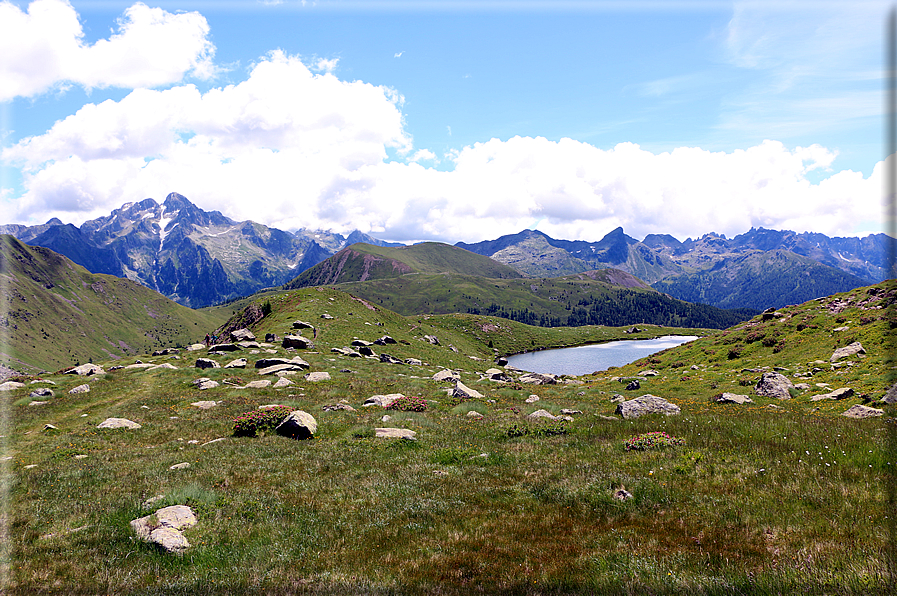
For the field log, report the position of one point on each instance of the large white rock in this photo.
(164, 527)
(646, 404)
(298, 425)
(118, 423)
(395, 433)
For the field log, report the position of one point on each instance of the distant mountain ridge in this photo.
(758, 269)
(194, 257)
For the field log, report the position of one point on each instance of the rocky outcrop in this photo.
(165, 526)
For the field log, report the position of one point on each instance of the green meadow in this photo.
(767, 497)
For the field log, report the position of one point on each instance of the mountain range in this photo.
(199, 258)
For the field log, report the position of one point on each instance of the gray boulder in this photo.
(385, 340)
(41, 392)
(387, 359)
(164, 527)
(302, 325)
(538, 379)
(633, 385)
(542, 415)
(383, 401)
(86, 370)
(431, 339)
(841, 393)
(296, 341)
(366, 351)
(224, 348)
(242, 335)
(205, 383)
(315, 377)
(11, 386)
(80, 389)
(860, 411)
(298, 425)
(772, 384)
(296, 362)
(732, 398)
(446, 375)
(238, 363)
(646, 404)
(848, 350)
(395, 433)
(891, 395)
(462, 391)
(204, 363)
(413, 362)
(118, 423)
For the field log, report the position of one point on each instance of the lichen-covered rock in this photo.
(296, 342)
(242, 335)
(732, 398)
(238, 363)
(383, 401)
(395, 433)
(841, 393)
(860, 411)
(462, 391)
(446, 375)
(317, 377)
(86, 370)
(646, 404)
(542, 414)
(164, 527)
(538, 379)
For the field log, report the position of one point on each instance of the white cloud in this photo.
(44, 47)
(290, 148)
(325, 65)
(398, 54)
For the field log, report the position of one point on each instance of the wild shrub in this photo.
(409, 403)
(651, 440)
(250, 424)
(735, 352)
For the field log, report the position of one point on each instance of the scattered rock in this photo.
(163, 366)
(860, 411)
(242, 335)
(11, 386)
(166, 352)
(41, 392)
(621, 494)
(366, 351)
(501, 361)
(327, 317)
(836, 394)
(633, 385)
(538, 379)
(385, 340)
(86, 370)
(617, 398)
(296, 341)
(413, 362)
(732, 398)
(446, 375)
(260, 384)
(180, 466)
(298, 425)
(384, 401)
(773, 384)
(50, 427)
(569, 412)
(118, 423)
(542, 414)
(196, 347)
(224, 348)
(646, 404)
(387, 359)
(204, 405)
(338, 407)
(315, 377)
(648, 373)
(282, 382)
(532, 399)
(270, 337)
(164, 527)
(431, 339)
(38, 403)
(462, 391)
(891, 395)
(204, 363)
(138, 365)
(151, 501)
(299, 325)
(848, 350)
(395, 433)
(205, 383)
(238, 363)
(802, 386)
(474, 414)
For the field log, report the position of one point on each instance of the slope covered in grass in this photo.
(769, 497)
(55, 313)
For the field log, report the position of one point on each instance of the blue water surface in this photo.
(583, 360)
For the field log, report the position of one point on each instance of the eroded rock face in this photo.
(298, 425)
(646, 404)
(772, 384)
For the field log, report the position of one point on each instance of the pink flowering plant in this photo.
(408, 404)
(250, 424)
(652, 440)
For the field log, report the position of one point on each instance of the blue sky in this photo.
(452, 120)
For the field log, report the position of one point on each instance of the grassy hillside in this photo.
(362, 262)
(769, 497)
(55, 313)
(608, 297)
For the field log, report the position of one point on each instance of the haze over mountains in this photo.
(199, 258)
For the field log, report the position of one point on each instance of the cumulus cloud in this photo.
(44, 47)
(291, 148)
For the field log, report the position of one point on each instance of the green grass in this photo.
(756, 501)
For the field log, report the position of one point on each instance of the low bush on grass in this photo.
(408, 404)
(652, 440)
(251, 424)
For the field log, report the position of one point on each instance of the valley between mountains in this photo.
(357, 430)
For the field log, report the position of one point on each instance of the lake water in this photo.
(583, 360)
